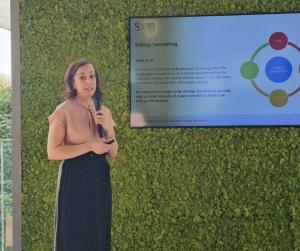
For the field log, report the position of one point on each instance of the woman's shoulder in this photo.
(61, 108)
(64, 105)
(59, 113)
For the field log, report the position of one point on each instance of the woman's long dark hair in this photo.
(70, 92)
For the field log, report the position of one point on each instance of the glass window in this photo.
(6, 197)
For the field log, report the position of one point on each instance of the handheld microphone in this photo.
(98, 104)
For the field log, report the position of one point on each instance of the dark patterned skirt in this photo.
(83, 204)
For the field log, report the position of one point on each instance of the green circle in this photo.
(249, 70)
(278, 98)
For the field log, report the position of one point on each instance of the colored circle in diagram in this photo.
(249, 70)
(278, 40)
(278, 97)
(277, 69)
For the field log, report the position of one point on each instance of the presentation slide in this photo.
(238, 70)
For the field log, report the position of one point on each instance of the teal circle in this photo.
(249, 70)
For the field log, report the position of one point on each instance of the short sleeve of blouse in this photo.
(58, 117)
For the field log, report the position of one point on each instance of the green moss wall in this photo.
(173, 189)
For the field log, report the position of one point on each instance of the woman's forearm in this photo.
(110, 134)
(63, 152)
(113, 151)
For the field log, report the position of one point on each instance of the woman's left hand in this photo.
(105, 119)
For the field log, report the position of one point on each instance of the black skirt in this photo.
(83, 204)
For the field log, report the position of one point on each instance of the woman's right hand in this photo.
(98, 146)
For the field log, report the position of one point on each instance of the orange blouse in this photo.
(76, 119)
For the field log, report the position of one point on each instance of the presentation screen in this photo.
(238, 70)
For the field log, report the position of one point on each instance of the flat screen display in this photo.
(238, 70)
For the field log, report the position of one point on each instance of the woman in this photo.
(83, 205)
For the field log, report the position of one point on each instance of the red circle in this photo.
(278, 40)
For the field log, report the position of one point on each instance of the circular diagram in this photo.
(277, 69)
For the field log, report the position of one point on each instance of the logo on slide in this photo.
(278, 69)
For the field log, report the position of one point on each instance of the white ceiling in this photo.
(5, 14)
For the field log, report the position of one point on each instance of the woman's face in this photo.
(84, 81)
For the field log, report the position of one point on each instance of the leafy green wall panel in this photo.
(173, 188)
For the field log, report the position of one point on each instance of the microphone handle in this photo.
(98, 107)
(100, 131)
